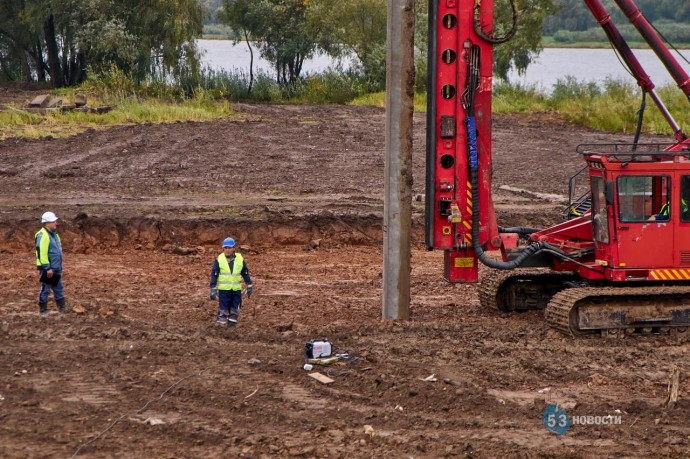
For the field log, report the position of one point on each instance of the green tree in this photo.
(525, 45)
(212, 8)
(280, 28)
(354, 27)
(17, 45)
(573, 15)
(359, 27)
(240, 16)
(62, 38)
(166, 30)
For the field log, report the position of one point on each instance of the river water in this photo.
(224, 55)
(550, 66)
(592, 65)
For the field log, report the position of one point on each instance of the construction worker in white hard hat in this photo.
(229, 269)
(49, 263)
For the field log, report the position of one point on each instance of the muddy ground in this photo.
(144, 372)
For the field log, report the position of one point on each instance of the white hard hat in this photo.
(48, 217)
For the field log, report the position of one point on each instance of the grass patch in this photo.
(378, 99)
(614, 106)
(611, 106)
(374, 99)
(17, 122)
(516, 98)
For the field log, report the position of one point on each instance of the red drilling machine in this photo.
(620, 262)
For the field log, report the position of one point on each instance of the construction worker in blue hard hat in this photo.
(226, 283)
(49, 263)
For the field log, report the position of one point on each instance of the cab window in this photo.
(684, 201)
(644, 198)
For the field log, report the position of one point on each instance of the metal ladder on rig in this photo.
(580, 206)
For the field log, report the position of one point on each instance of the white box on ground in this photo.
(318, 349)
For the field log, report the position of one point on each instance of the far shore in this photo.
(546, 43)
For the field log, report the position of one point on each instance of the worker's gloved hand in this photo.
(250, 289)
(214, 293)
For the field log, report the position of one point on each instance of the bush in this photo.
(220, 30)
(592, 35)
(334, 85)
(331, 86)
(675, 32)
(517, 98)
(373, 68)
(570, 88)
(265, 89)
(112, 83)
(564, 36)
(619, 89)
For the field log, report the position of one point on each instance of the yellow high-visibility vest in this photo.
(228, 280)
(665, 208)
(42, 250)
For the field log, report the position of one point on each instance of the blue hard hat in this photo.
(228, 242)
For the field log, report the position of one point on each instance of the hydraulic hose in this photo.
(473, 162)
(489, 36)
(476, 244)
(640, 117)
(523, 232)
(530, 250)
(518, 229)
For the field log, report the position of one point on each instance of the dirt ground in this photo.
(144, 372)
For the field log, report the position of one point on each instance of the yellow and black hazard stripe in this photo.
(468, 221)
(669, 274)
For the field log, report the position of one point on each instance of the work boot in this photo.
(234, 315)
(222, 317)
(61, 305)
(43, 309)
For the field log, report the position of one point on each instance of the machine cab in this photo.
(641, 215)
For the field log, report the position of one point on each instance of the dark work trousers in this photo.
(229, 303)
(45, 291)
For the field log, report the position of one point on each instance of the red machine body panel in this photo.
(641, 247)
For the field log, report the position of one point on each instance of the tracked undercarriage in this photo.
(522, 290)
(583, 310)
(620, 310)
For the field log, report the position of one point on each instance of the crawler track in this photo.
(521, 290)
(587, 310)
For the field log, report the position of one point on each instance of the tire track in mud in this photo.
(76, 386)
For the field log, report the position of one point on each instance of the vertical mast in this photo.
(460, 79)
